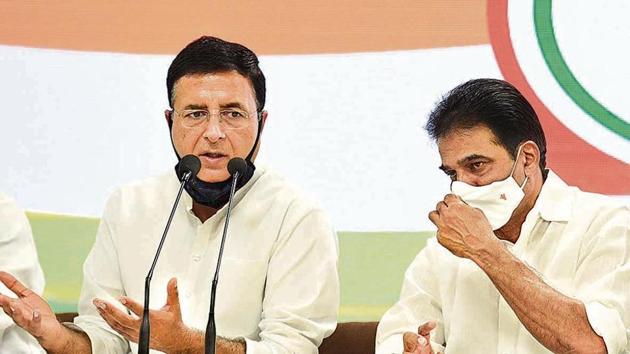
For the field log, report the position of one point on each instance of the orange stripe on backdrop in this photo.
(268, 27)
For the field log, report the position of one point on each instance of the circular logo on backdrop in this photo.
(569, 60)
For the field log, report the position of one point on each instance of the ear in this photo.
(263, 120)
(168, 114)
(531, 153)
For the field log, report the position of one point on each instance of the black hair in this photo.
(494, 103)
(208, 55)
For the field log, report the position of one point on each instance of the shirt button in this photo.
(196, 258)
(188, 294)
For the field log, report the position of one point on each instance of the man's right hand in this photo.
(32, 313)
(419, 343)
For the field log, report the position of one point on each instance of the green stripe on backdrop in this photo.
(371, 268)
(372, 264)
(545, 32)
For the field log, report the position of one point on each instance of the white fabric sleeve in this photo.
(603, 275)
(101, 279)
(302, 290)
(419, 303)
(18, 256)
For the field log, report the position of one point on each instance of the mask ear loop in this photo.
(514, 168)
(251, 152)
(524, 182)
(170, 133)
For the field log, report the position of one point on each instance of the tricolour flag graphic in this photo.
(568, 59)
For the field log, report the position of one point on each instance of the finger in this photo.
(452, 199)
(423, 346)
(13, 284)
(426, 328)
(410, 341)
(440, 206)
(426, 349)
(133, 306)
(434, 216)
(111, 311)
(172, 296)
(37, 317)
(126, 332)
(439, 236)
(35, 323)
(21, 313)
(116, 318)
(5, 301)
(6, 309)
(424, 331)
(117, 326)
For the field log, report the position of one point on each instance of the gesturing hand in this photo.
(168, 332)
(31, 312)
(462, 229)
(419, 343)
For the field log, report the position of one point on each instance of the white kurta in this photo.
(18, 257)
(577, 242)
(278, 286)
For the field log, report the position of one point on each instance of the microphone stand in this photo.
(145, 327)
(211, 329)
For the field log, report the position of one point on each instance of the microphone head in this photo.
(237, 164)
(190, 163)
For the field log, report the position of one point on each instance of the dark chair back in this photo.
(348, 338)
(66, 316)
(351, 338)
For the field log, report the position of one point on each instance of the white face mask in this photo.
(497, 200)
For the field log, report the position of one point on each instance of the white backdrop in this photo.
(346, 128)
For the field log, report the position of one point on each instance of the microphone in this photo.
(190, 166)
(236, 168)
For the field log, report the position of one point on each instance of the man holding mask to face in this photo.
(522, 262)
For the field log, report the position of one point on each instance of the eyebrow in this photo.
(234, 105)
(470, 158)
(223, 106)
(196, 106)
(465, 160)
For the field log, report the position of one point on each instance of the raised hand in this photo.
(168, 332)
(462, 229)
(419, 343)
(31, 312)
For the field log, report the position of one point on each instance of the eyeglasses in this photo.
(229, 118)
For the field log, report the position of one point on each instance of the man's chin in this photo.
(213, 176)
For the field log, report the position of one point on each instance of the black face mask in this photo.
(216, 194)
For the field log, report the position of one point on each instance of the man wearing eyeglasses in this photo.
(279, 291)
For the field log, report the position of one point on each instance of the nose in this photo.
(213, 132)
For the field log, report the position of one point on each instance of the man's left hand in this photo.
(169, 334)
(462, 229)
